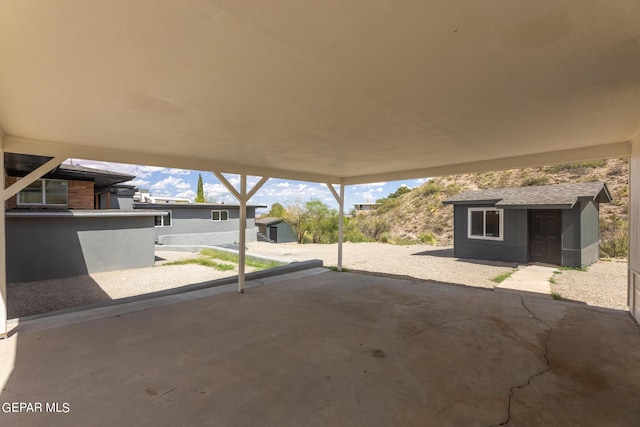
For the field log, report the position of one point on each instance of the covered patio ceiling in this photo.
(342, 91)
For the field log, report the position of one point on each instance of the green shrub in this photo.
(427, 238)
(385, 237)
(614, 237)
(430, 187)
(535, 180)
(575, 166)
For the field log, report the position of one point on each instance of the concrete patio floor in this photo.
(332, 349)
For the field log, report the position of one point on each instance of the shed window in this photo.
(219, 215)
(163, 220)
(486, 223)
(45, 192)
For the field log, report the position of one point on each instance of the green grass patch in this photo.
(583, 268)
(256, 263)
(556, 296)
(209, 258)
(502, 277)
(207, 262)
(552, 280)
(334, 268)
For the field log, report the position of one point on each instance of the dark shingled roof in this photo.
(268, 220)
(560, 196)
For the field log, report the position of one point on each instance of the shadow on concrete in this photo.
(26, 299)
(329, 348)
(448, 253)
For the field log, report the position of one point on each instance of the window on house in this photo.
(486, 223)
(45, 192)
(163, 220)
(219, 215)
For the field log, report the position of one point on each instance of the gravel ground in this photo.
(420, 261)
(30, 298)
(604, 284)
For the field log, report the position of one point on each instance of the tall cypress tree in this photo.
(200, 197)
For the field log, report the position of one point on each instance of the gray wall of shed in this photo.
(590, 231)
(285, 233)
(571, 246)
(56, 247)
(193, 226)
(513, 248)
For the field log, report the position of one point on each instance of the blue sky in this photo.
(170, 182)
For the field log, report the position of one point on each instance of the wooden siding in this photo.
(81, 195)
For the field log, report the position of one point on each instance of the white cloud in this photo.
(368, 196)
(169, 185)
(141, 183)
(188, 194)
(422, 180)
(174, 171)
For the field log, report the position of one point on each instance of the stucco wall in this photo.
(513, 248)
(49, 247)
(192, 225)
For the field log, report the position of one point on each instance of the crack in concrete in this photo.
(513, 389)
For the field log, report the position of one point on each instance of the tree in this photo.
(200, 197)
(277, 211)
(298, 218)
(314, 218)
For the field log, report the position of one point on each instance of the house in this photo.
(59, 225)
(275, 230)
(554, 224)
(362, 208)
(200, 223)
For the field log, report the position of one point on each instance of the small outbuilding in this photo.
(552, 224)
(275, 230)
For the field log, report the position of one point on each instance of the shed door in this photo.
(273, 234)
(545, 231)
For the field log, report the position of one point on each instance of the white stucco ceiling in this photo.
(321, 90)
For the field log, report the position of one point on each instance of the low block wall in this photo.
(51, 245)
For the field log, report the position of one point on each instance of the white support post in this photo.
(3, 254)
(633, 291)
(243, 232)
(340, 199)
(243, 197)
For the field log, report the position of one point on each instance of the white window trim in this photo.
(484, 224)
(220, 212)
(162, 217)
(44, 194)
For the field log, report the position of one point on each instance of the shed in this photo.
(275, 230)
(552, 224)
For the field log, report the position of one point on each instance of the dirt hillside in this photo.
(420, 215)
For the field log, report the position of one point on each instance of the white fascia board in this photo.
(604, 151)
(15, 144)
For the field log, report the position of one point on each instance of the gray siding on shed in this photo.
(590, 232)
(41, 248)
(513, 248)
(285, 233)
(570, 238)
(579, 238)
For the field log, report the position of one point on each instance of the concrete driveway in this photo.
(330, 349)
